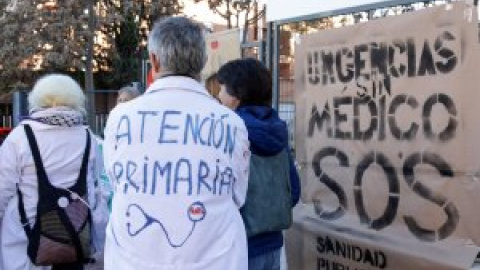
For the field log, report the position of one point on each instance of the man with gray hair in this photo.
(178, 161)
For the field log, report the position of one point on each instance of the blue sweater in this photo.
(268, 135)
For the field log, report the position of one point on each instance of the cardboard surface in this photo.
(221, 47)
(387, 130)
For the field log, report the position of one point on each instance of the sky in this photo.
(276, 9)
(201, 12)
(282, 9)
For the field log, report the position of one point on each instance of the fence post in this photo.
(275, 62)
(20, 106)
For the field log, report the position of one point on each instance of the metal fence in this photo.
(100, 121)
(7, 121)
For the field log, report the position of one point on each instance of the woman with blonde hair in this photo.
(47, 173)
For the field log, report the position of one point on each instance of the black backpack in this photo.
(61, 234)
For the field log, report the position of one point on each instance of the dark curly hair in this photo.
(248, 80)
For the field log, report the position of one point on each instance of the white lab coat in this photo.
(178, 184)
(62, 150)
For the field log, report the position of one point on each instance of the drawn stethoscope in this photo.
(196, 212)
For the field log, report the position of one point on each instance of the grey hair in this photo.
(130, 90)
(179, 45)
(57, 90)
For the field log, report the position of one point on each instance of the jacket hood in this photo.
(267, 133)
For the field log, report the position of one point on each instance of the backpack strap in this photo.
(80, 186)
(43, 183)
(23, 215)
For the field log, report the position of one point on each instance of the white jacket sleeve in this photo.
(9, 170)
(108, 146)
(241, 157)
(100, 214)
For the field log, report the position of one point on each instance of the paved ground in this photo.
(96, 266)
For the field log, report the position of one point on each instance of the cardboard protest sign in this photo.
(387, 137)
(221, 47)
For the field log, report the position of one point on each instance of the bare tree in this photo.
(41, 36)
(233, 11)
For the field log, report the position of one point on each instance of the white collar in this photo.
(179, 82)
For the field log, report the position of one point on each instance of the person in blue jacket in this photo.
(246, 87)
